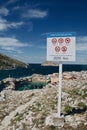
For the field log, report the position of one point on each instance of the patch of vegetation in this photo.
(82, 105)
(18, 118)
(50, 128)
(74, 92)
(68, 109)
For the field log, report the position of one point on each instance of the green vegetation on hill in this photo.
(9, 63)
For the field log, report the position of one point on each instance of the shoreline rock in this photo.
(35, 106)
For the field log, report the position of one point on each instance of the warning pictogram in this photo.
(60, 40)
(64, 48)
(57, 48)
(54, 41)
(67, 40)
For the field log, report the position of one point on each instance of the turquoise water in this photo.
(30, 86)
(36, 69)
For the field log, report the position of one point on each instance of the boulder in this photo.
(68, 76)
(54, 120)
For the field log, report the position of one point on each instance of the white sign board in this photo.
(61, 46)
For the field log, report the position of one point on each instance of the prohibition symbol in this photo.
(57, 48)
(67, 40)
(60, 40)
(54, 41)
(64, 48)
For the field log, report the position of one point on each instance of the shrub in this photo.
(82, 105)
(68, 109)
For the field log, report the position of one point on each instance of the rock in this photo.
(54, 80)
(11, 86)
(68, 76)
(69, 118)
(2, 96)
(54, 120)
(8, 80)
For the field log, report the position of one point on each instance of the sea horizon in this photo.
(39, 69)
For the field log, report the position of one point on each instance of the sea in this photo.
(39, 69)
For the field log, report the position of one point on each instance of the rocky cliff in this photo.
(9, 63)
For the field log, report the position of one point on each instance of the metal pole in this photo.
(60, 89)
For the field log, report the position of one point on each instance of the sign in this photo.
(61, 46)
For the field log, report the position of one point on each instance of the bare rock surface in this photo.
(34, 109)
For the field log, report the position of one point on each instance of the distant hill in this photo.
(9, 63)
(49, 63)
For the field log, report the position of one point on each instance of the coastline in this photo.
(30, 107)
(38, 69)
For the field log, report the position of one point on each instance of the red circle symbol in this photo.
(67, 40)
(60, 40)
(54, 40)
(64, 49)
(57, 48)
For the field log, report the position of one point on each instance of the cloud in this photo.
(42, 47)
(35, 13)
(81, 43)
(81, 47)
(12, 44)
(4, 11)
(8, 48)
(82, 39)
(4, 24)
(15, 25)
(9, 2)
(16, 8)
(44, 34)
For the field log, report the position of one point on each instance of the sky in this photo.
(24, 25)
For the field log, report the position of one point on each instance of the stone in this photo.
(69, 118)
(54, 120)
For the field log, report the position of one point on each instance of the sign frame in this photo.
(67, 39)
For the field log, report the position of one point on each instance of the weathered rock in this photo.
(54, 120)
(69, 118)
(54, 80)
(68, 76)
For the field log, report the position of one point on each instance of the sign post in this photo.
(60, 47)
(60, 89)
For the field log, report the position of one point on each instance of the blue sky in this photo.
(24, 25)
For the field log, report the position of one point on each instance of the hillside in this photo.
(9, 63)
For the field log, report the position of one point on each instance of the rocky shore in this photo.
(35, 109)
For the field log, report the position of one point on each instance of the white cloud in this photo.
(42, 47)
(8, 48)
(35, 13)
(12, 45)
(15, 25)
(81, 47)
(16, 8)
(82, 39)
(4, 24)
(9, 2)
(81, 43)
(11, 42)
(44, 34)
(4, 11)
